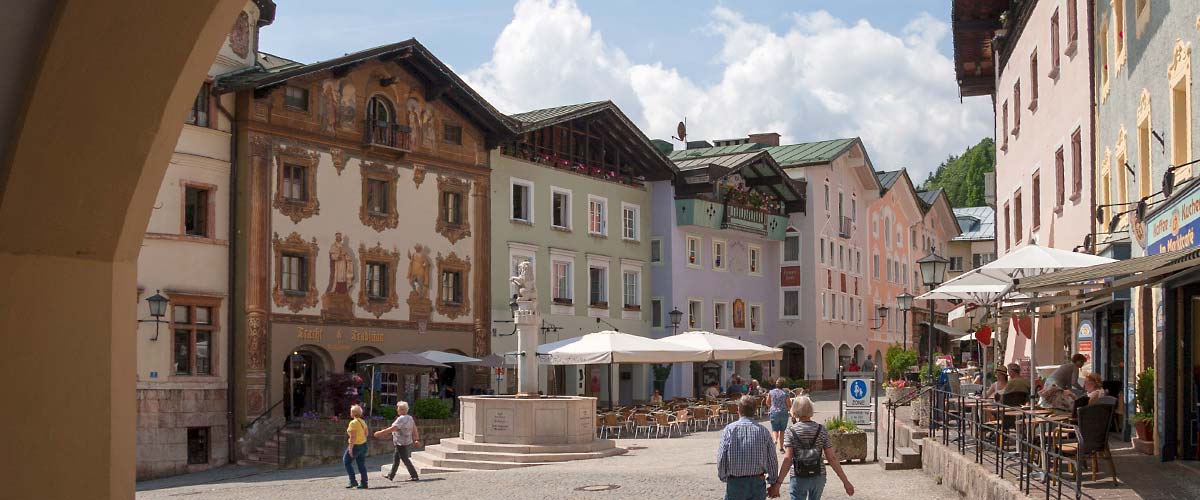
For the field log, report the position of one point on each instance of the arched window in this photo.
(381, 123)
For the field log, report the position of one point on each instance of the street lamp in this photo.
(676, 316)
(933, 272)
(880, 315)
(904, 304)
(158, 309)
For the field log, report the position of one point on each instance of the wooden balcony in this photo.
(391, 137)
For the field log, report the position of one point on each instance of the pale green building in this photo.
(570, 194)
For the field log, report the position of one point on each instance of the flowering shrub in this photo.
(898, 384)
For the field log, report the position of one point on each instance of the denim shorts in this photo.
(779, 422)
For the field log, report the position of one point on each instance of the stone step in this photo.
(918, 444)
(458, 444)
(469, 464)
(909, 457)
(444, 453)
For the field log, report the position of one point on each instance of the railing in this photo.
(1010, 439)
(845, 227)
(746, 219)
(890, 438)
(264, 414)
(391, 135)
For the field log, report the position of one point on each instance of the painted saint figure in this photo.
(418, 270)
(341, 265)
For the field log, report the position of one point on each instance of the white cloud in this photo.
(822, 78)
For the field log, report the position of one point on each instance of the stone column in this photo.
(527, 319)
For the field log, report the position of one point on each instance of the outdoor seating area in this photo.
(672, 418)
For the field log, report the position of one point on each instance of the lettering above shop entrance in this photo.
(337, 339)
(1175, 226)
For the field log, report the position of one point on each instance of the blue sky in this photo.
(808, 69)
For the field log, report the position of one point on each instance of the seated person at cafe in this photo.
(1016, 383)
(1094, 388)
(656, 399)
(712, 392)
(997, 387)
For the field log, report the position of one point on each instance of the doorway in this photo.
(302, 371)
(792, 365)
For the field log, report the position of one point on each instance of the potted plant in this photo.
(898, 360)
(1143, 418)
(849, 442)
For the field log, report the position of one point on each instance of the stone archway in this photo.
(114, 80)
(829, 362)
(860, 354)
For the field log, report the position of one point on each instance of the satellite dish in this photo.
(681, 131)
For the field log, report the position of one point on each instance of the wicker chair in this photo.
(1092, 437)
(663, 421)
(642, 421)
(683, 420)
(613, 422)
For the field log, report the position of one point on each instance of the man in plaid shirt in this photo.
(746, 459)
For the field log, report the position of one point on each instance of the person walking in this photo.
(778, 400)
(868, 365)
(807, 444)
(356, 448)
(404, 435)
(746, 462)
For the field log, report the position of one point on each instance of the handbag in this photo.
(806, 460)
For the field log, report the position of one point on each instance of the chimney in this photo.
(765, 138)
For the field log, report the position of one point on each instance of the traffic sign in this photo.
(858, 392)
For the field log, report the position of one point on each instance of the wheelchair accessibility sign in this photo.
(858, 393)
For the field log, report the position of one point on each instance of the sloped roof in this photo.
(758, 168)
(563, 113)
(887, 179)
(983, 225)
(410, 54)
(790, 155)
(929, 197)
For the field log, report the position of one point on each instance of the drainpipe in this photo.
(231, 325)
(1091, 8)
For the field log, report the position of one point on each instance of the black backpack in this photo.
(807, 460)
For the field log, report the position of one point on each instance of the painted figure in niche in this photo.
(418, 270)
(346, 107)
(739, 314)
(427, 133)
(412, 108)
(341, 266)
(328, 105)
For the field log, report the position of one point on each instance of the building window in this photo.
(904, 271)
(1055, 60)
(719, 261)
(1060, 188)
(452, 134)
(451, 287)
(561, 282)
(1076, 165)
(560, 206)
(1180, 80)
(1004, 125)
(201, 107)
(598, 287)
(1141, 11)
(295, 98)
(193, 326)
(875, 265)
(981, 259)
(632, 290)
(1106, 178)
(597, 216)
(522, 200)
(452, 211)
(197, 446)
(1143, 148)
(693, 251)
(1037, 200)
(841, 257)
(1072, 25)
(1007, 227)
(1102, 53)
(822, 248)
(826, 196)
(1016, 129)
(1018, 229)
(1122, 171)
(791, 249)
(791, 303)
(755, 258)
(376, 281)
(295, 273)
(295, 182)
(1033, 81)
(655, 250)
(452, 207)
(379, 198)
(196, 211)
(720, 310)
(630, 222)
(1118, 7)
(694, 311)
(755, 318)
(656, 313)
(956, 263)
(824, 309)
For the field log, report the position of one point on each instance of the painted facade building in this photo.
(1035, 65)
(571, 194)
(828, 277)
(183, 370)
(894, 220)
(938, 227)
(722, 250)
(1145, 139)
(363, 219)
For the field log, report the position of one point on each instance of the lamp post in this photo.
(880, 316)
(676, 316)
(904, 303)
(933, 272)
(158, 309)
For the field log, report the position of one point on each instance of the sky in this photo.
(807, 69)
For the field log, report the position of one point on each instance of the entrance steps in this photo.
(455, 454)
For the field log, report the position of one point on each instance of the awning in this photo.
(946, 329)
(1112, 277)
(449, 358)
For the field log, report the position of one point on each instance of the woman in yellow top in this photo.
(356, 448)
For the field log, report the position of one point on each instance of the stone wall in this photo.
(964, 475)
(324, 441)
(163, 418)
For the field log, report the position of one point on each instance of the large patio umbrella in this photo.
(1032, 260)
(450, 358)
(401, 358)
(722, 347)
(615, 347)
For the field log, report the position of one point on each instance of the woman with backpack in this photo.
(807, 444)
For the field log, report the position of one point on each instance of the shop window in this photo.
(295, 98)
(197, 445)
(197, 211)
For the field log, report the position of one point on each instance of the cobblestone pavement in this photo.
(653, 469)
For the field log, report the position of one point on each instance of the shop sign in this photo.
(789, 276)
(1085, 348)
(1085, 331)
(1174, 227)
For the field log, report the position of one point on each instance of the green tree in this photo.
(962, 177)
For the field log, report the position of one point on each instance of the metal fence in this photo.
(1011, 439)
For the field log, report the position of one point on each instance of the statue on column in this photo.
(526, 286)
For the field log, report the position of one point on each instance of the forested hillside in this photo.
(962, 176)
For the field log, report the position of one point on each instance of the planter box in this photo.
(899, 393)
(849, 445)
